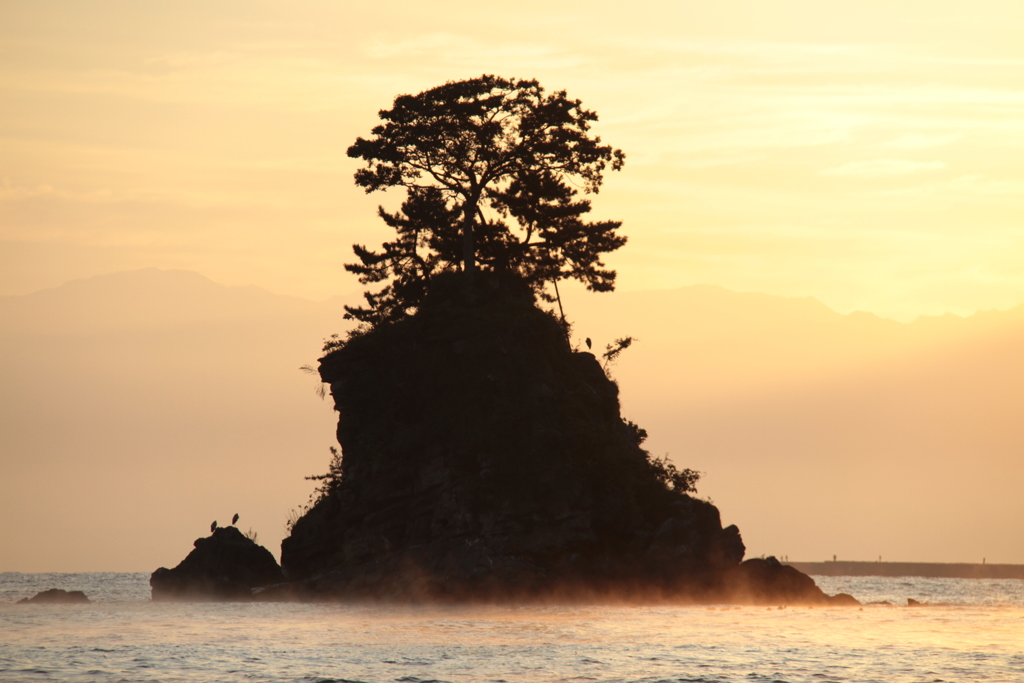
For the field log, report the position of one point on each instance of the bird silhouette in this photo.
(213, 527)
(589, 344)
(234, 520)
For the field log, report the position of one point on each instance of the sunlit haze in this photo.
(799, 160)
(865, 153)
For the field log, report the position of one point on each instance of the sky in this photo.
(865, 153)
(137, 407)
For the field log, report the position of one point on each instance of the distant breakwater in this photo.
(935, 570)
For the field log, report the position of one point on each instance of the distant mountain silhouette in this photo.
(903, 439)
(147, 299)
(720, 342)
(141, 405)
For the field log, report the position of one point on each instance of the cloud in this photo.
(979, 184)
(194, 59)
(884, 167)
(16, 193)
(922, 141)
(446, 48)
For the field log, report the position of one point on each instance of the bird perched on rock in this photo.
(213, 527)
(589, 344)
(234, 520)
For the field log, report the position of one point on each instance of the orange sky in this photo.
(866, 153)
(136, 408)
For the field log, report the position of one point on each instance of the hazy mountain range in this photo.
(824, 434)
(140, 406)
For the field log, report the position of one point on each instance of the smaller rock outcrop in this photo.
(766, 581)
(56, 596)
(226, 565)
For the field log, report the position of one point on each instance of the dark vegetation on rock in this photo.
(56, 596)
(226, 565)
(495, 171)
(484, 458)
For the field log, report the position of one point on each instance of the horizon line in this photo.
(357, 293)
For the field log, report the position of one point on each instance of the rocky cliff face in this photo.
(483, 457)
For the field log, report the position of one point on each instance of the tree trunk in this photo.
(561, 312)
(468, 258)
(468, 251)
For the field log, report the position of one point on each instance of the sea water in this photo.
(969, 630)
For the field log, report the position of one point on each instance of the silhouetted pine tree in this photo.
(491, 167)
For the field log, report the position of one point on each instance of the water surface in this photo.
(977, 634)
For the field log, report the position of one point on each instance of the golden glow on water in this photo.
(288, 642)
(123, 636)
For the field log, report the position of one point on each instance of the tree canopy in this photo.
(493, 170)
